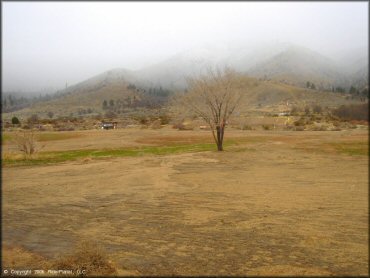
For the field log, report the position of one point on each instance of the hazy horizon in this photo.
(46, 44)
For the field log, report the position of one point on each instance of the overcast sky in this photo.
(46, 44)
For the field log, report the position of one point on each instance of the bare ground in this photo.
(282, 205)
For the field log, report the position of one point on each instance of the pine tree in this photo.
(15, 121)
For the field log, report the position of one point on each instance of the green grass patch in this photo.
(352, 148)
(53, 157)
(63, 156)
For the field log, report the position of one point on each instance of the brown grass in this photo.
(86, 256)
(265, 207)
(18, 258)
(89, 257)
(171, 140)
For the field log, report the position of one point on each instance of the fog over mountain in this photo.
(283, 62)
(47, 46)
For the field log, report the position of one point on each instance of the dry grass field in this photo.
(164, 202)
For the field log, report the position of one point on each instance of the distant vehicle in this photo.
(108, 125)
(283, 114)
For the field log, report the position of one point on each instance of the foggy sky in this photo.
(46, 44)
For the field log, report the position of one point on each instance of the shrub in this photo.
(181, 126)
(267, 127)
(317, 109)
(300, 122)
(7, 125)
(320, 128)
(156, 124)
(165, 119)
(26, 143)
(72, 119)
(50, 114)
(294, 110)
(143, 120)
(336, 123)
(314, 118)
(15, 121)
(247, 127)
(309, 122)
(299, 128)
(45, 121)
(87, 257)
(352, 112)
(33, 119)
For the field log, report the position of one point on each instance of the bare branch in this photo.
(214, 96)
(26, 143)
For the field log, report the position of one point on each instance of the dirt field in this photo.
(277, 203)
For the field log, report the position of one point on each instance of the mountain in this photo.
(356, 64)
(89, 96)
(245, 57)
(285, 62)
(172, 73)
(281, 70)
(360, 78)
(118, 76)
(297, 65)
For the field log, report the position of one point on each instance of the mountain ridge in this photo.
(283, 63)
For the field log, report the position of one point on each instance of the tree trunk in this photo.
(220, 135)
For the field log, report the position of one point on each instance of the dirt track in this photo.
(269, 208)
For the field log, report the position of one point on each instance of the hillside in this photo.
(297, 65)
(284, 62)
(274, 96)
(360, 78)
(88, 97)
(281, 71)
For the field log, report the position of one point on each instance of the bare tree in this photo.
(50, 114)
(214, 96)
(27, 143)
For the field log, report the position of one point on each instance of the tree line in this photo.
(11, 103)
(353, 90)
